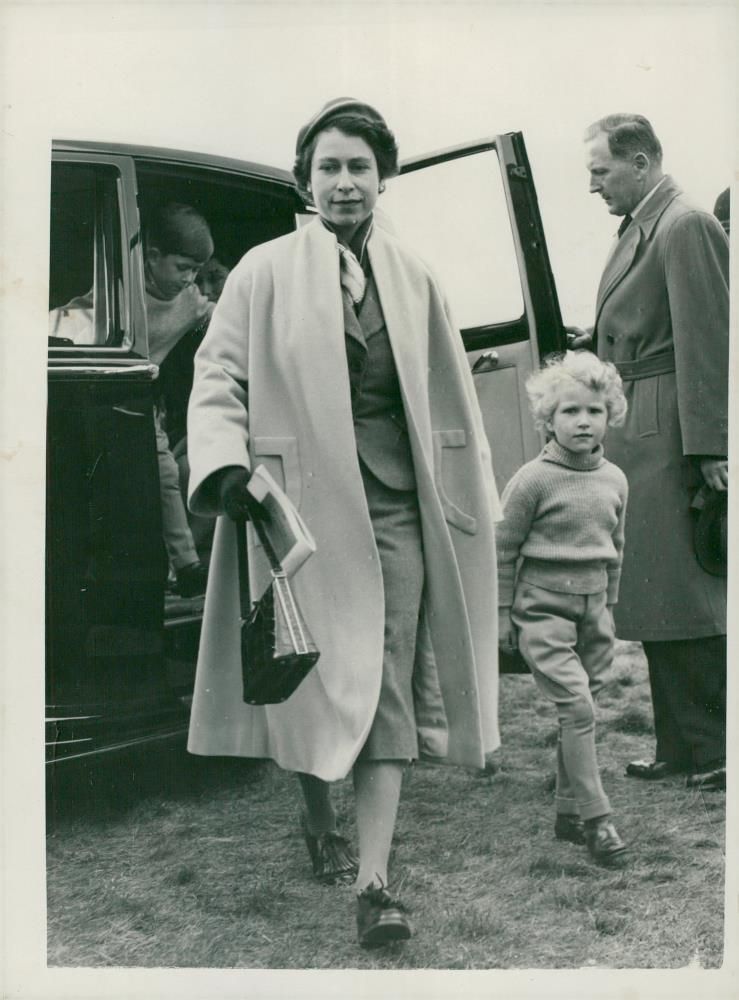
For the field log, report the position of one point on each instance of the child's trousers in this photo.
(567, 641)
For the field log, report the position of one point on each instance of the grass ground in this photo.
(171, 861)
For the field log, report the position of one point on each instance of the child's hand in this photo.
(507, 638)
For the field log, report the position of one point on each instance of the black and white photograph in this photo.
(367, 395)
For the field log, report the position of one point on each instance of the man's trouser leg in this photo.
(688, 681)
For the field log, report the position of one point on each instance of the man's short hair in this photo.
(627, 135)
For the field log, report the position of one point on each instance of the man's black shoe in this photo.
(651, 770)
(380, 918)
(712, 780)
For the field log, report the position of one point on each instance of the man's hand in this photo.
(578, 338)
(235, 498)
(715, 472)
(507, 638)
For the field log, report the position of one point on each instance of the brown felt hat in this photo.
(710, 530)
(338, 106)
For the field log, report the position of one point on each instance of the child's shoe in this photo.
(380, 918)
(569, 827)
(603, 842)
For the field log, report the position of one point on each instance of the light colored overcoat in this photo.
(278, 327)
(666, 287)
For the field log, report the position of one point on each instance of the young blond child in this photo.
(560, 546)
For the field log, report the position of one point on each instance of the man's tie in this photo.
(351, 274)
(625, 223)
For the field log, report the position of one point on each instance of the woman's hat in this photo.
(710, 530)
(338, 106)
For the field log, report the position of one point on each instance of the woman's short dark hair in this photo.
(376, 134)
(627, 136)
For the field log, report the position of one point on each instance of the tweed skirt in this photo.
(396, 523)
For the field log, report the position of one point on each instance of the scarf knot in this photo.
(351, 275)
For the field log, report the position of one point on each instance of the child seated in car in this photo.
(560, 548)
(177, 244)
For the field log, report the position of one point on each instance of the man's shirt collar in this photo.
(647, 196)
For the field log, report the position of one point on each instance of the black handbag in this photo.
(277, 650)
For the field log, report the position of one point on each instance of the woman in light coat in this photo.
(332, 359)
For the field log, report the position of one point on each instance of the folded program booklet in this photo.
(286, 532)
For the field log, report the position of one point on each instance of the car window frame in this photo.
(132, 317)
(541, 320)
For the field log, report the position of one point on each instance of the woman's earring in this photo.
(382, 186)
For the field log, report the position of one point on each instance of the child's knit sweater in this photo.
(563, 516)
(168, 320)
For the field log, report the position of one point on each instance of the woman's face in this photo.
(344, 180)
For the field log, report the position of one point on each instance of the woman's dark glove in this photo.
(235, 498)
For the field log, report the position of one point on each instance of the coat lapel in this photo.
(642, 227)
(618, 264)
(399, 298)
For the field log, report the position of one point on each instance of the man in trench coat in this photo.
(662, 316)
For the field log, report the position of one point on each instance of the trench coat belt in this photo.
(656, 364)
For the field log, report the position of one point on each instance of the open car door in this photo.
(471, 213)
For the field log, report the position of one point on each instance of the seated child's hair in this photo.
(179, 229)
(545, 387)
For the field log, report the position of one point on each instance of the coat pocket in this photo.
(450, 467)
(279, 455)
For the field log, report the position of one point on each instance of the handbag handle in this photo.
(244, 592)
(243, 561)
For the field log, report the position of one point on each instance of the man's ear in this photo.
(153, 253)
(641, 162)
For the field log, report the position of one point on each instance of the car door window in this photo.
(85, 267)
(471, 213)
(455, 216)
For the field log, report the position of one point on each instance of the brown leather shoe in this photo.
(332, 856)
(380, 918)
(604, 844)
(569, 827)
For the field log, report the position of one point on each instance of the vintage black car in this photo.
(121, 646)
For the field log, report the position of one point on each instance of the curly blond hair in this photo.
(546, 386)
